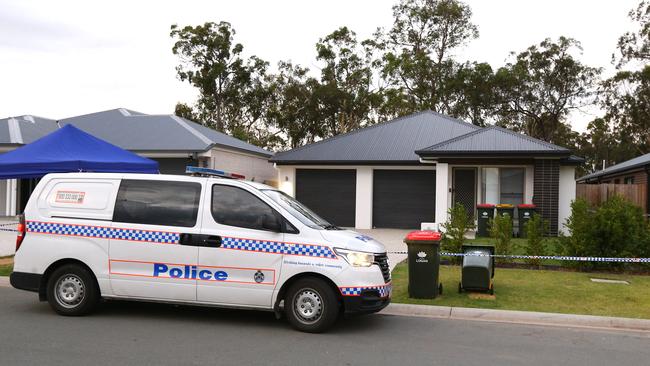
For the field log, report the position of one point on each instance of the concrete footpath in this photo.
(504, 316)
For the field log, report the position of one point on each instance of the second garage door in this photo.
(403, 198)
(331, 193)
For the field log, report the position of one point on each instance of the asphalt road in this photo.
(122, 333)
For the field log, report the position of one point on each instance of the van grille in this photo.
(381, 260)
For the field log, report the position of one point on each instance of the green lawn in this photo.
(545, 291)
(5, 269)
(6, 266)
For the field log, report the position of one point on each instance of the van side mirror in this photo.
(271, 223)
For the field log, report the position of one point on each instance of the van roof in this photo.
(185, 178)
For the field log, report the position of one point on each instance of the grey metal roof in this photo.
(392, 141)
(634, 163)
(137, 131)
(493, 140)
(24, 129)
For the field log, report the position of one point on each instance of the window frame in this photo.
(197, 203)
(286, 227)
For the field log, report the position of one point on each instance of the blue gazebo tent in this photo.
(70, 149)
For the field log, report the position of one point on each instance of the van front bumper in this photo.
(366, 303)
(25, 281)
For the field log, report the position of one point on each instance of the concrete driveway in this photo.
(392, 239)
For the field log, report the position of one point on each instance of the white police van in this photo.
(193, 240)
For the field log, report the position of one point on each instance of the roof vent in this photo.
(124, 112)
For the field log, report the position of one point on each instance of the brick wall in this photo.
(546, 187)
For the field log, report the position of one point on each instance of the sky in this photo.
(65, 58)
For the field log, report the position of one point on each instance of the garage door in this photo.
(403, 198)
(331, 193)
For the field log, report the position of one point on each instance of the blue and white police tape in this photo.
(543, 257)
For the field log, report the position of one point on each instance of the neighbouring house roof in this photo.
(495, 141)
(393, 141)
(638, 162)
(425, 134)
(137, 131)
(15, 131)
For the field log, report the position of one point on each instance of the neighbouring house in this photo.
(634, 171)
(173, 141)
(412, 169)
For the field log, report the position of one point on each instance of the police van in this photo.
(202, 240)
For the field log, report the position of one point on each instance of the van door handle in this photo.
(212, 241)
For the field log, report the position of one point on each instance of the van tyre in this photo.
(311, 305)
(72, 290)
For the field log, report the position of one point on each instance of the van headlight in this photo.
(356, 259)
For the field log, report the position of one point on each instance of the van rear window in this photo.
(156, 202)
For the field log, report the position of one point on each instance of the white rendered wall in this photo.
(442, 191)
(287, 179)
(363, 212)
(254, 167)
(567, 194)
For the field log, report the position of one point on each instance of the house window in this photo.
(502, 185)
(628, 180)
(617, 181)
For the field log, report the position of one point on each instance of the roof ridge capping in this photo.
(497, 128)
(379, 124)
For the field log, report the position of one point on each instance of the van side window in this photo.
(237, 207)
(156, 202)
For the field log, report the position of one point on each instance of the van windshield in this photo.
(298, 210)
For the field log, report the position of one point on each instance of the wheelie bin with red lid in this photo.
(424, 264)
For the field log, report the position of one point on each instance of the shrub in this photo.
(536, 228)
(455, 228)
(615, 229)
(501, 231)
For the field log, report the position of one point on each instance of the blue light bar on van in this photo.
(195, 170)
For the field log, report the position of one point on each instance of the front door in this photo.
(244, 268)
(464, 189)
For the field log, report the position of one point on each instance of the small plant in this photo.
(536, 228)
(455, 228)
(501, 231)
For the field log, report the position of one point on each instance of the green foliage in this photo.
(232, 90)
(615, 229)
(536, 228)
(412, 66)
(501, 231)
(455, 228)
(543, 84)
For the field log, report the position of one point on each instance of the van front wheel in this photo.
(311, 305)
(72, 291)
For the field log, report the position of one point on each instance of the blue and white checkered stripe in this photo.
(384, 291)
(266, 246)
(103, 232)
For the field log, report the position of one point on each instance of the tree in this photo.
(635, 45)
(345, 96)
(417, 65)
(626, 95)
(542, 85)
(232, 95)
(476, 97)
(292, 111)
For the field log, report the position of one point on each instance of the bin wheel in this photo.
(491, 291)
(460, 287)
(440, 289)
